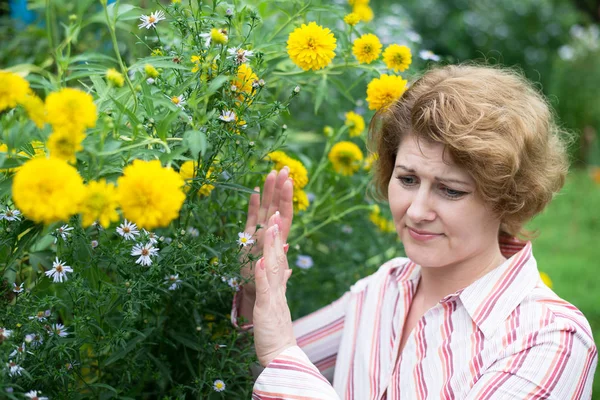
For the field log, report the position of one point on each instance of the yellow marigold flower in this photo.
(243, 81)
(371, 158)
(355, 3)
(300, 200)
(397, 57)
(47, 190)
(150, 71)
(381, 222)
(150, 195)
(99, 204)
(367, 48)
(311, 46)
(115, 77)
(383, 91)
(64, 144)
(546, 279)
(188, 172)
(352, 19)
(364, 12)
(346, 158)
(13, 89)
(35, 109)
(71, 109)
(157, 53)
(298, 171)
(355, 123)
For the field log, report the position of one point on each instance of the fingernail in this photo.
(286, 247)
(257, 189)
(277, 218)
(286, 167)
(261, 263)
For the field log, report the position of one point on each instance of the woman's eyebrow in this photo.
(412, 171)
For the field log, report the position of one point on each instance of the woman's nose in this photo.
(420, 208)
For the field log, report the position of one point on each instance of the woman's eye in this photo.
(453, 194)
(407, 180)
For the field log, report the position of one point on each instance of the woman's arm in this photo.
(557, 363)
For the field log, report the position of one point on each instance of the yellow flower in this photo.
(311, 46)
(355, 3)
(175, 1)
(188, 172)
(352, 19)
(99, 204)
(365, 13)
(367, 48)
(383, 91)
(546, 279)
(35, 109)
(47, 190)
(346, 158)
(64, 144)
(328, 131)
(300, 199)
(218, 36)
(71, 109)
(150, 195)
(243, 81)
(382, 223)
(150, 71)
(13, 90)
(197, 60)
(355, 123)
(298, 171)
(157, 53)
(371, 158)
(115, 77)
(397, 57)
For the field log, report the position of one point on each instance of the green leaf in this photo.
(215, 85)
(196, 142)
(132, 117)
(187, 342)
(123, 352)
(321, 92)
(163, 126)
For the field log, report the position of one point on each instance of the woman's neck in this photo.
(438, 282)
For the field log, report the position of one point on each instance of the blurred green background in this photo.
(554, 42)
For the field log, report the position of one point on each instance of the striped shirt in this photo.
(505, 336)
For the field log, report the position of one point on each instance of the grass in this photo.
(568, 248)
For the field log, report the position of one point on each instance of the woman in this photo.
(467, 156)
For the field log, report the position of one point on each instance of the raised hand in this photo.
(273, 332)
(277, 196)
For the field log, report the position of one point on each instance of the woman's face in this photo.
(438, 215)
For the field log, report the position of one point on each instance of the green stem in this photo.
(133, 146)
(113, 36)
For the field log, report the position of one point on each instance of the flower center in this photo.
(367, 48)
(243, 240)
(126, 229)
(151, 19)
(399, 59)
(175, 100)
(145, 252)
(59, 268)
(311, 43)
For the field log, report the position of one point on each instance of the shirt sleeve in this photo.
(555, 364)
(292, 376)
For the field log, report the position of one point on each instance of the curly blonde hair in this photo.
(494, 124)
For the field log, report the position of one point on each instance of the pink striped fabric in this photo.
(505, 336)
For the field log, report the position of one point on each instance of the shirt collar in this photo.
(492, 298)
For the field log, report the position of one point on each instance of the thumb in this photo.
(263, 290)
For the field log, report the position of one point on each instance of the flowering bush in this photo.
(125, 182)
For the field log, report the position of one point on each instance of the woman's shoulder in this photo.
(396, 266)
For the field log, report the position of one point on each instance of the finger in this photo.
(267, 197)
(281, 178)
(286, 208)
(262, 284)
(276, 261)
(253, 208)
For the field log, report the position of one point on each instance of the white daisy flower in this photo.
(428, 55)
(4, 333)
(145, 251)
(34, 339)
(63, 232)
(10, 215)
(18, 288)
(152, 238)
(58, 329)
(94, 244)
(150, 81)
(304, 262)
(33, 395)
(179, 101)
(239, 55)
(128, 230)
(234, 283)
(13, 368)
(218, 385)
(150, 21)
(193, 232)
(59, 271)
(19, 351)
(227, 116)
(41, 315)
(173, 281)
(245, 239)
